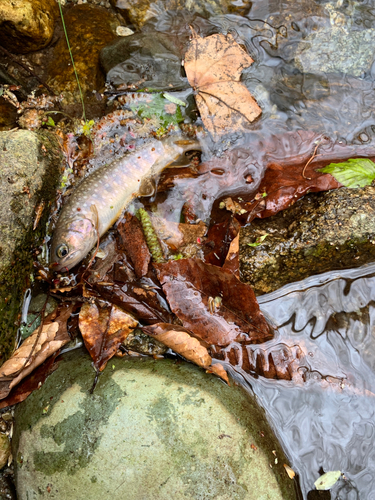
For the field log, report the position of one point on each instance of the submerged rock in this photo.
(139, 12)
(150, 60)
(30, 169)
(337, 50)
(151, 430)
(27, 25)
(89, 28)
(321, 232)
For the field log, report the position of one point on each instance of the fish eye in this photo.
(62, 251)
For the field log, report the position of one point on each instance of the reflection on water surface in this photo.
(327, 422)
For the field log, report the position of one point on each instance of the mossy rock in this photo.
(152, 429)
(29, 171)
(323, 231)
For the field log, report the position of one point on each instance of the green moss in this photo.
(14, 278)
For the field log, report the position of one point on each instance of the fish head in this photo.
(71, 242)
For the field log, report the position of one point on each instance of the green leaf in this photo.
(327, 480)
(157, 107)
(258, 241)
(50, 122)
(173, 99)
(356, 172)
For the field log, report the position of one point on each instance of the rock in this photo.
(27, 25)
(321, 232)
(150, 60)
(30, 168)
(151, 430)
(89, 29)
(336, 50)
(139, 12)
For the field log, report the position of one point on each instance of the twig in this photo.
(31, 72)
(310, 160)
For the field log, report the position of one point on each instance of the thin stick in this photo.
(27, 69)
(310, 160)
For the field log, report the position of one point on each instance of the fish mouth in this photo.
(73, 260)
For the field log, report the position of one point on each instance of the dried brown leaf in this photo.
(232, 261)
(41, 345)
(31, 382)
(219, 370)
(213, 66)
(180, 340)
(213, 303)
(289, 471)
(103, 330)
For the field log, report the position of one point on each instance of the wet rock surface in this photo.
(139, 12)
(30, 168)
(89, 29)
(27, 25)
(151, 429)
(337, 50)
(325, 231)
(151, 60)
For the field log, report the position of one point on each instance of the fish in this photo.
(98, 201)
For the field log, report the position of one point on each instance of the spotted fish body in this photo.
(99, 199)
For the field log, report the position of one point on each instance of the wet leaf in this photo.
(191, 288)
(279, 361)
(353, 173)
(327, 480)
(213, 67)
(40, 346)
(30, 383)
(180, 340)
(142, 300)
(103, 330)
(134, 243)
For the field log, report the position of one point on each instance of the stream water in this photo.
(327, 422)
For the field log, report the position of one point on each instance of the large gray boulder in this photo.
(152, 430)
(321, 232)
(29, 171)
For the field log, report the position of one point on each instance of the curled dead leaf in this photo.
(219, 370)
(289, 471)
(180, 340)
(35, 350)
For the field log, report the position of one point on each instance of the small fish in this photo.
(99, 199)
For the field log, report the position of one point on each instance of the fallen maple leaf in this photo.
(213, 67)
(35, 350)
(212, 303)
(103, 330)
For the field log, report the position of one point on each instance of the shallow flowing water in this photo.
(327, 422)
